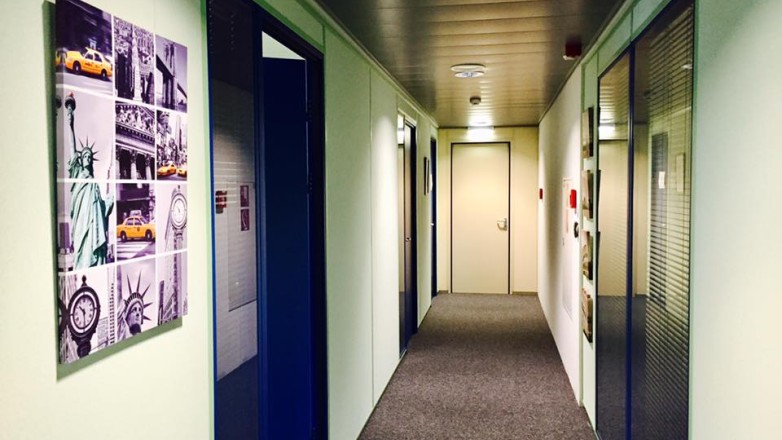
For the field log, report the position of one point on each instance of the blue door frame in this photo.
(291, 309)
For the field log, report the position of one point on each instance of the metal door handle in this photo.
(503, 224)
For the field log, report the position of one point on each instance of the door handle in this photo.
(407, 240)
(503, 224)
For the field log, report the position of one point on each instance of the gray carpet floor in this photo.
(481, 367)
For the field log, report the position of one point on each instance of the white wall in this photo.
(161, 381)
(385, 236)
(524, 192)
(736, 354)
(348, 239)
(559, 266)
(362, 234)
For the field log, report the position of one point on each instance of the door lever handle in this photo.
(503, 224)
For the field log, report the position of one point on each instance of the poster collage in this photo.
(121, 115)
(587, 214)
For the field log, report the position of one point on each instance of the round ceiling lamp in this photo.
(469, 70)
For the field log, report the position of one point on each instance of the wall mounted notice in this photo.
(121, 112)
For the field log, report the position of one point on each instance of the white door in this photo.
(480, 203)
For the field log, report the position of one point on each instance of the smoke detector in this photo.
(475, 100)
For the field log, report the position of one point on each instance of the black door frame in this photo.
(433, 201)
(510, 197)
(264, 22)
(409, 310)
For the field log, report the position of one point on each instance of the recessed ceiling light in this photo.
(469, 70)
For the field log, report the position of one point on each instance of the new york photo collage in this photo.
(121, 115)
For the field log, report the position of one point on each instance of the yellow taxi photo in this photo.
(88, 61)
(166, 170)
(135, 228)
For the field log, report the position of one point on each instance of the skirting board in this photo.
(526, 293)
(441, 292)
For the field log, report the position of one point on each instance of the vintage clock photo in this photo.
(83, 312)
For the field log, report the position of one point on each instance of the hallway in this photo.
(480, 367)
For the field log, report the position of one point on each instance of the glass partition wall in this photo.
(613, 150)
(643, 250)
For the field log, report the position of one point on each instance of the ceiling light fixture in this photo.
(469, 70)
(480, 133)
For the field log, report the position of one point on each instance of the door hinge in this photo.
(309, 182)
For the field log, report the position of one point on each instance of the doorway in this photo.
(432, 188)
(480, 218)
(408, 295)
(266, 97)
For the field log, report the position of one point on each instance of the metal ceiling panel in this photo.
(520, 42)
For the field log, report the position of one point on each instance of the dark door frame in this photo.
(409, 310)
(510, 194)
(433, 201)
(264, 22)
(316, 164)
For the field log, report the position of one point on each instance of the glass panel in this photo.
(231, 51)
(662, 146)
(612, 216)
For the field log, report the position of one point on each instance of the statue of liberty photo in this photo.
(89, 210)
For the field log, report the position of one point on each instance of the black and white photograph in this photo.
(172, 286)
(85, 225)
(135, 134)
(587, 136)
(586, 255)
(83, 54)
(134, 307)
(171, 216)
(244, 196)
(136, 232)
(171, 142)
(245, 216)
(83, 308)
(134, 62)
(587, 191)
(85, 135)
(170, 74)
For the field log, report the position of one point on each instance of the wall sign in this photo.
(221, 201)
(121, 112)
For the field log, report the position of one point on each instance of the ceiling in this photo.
(521, 42)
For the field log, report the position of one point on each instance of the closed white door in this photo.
(480, 202)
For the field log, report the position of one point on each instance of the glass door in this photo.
(612, 333)
(643, 252)
(236, 235)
